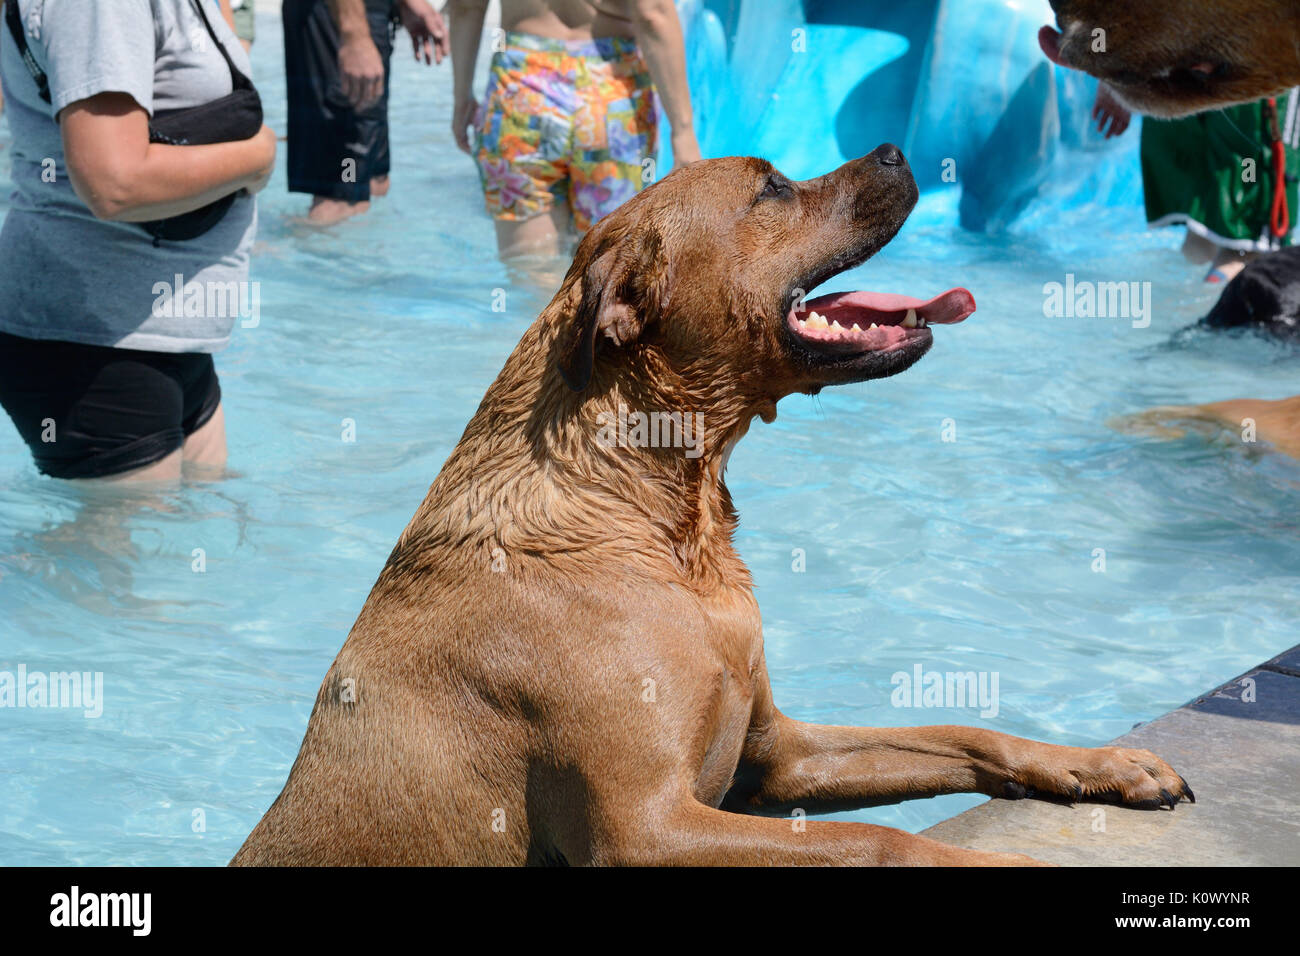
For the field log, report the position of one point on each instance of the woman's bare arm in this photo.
(466, 32)
(659, 38)
(122, 176)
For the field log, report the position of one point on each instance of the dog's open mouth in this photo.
(846, 323)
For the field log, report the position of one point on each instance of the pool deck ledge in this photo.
(1241, 757)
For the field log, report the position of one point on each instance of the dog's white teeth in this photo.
(817, 321)
(837, 327)
(910, 322)
(873, 326)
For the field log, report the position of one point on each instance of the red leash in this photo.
(1280, 221)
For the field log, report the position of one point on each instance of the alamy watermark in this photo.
(74, 690)
(922, 688)
(75, 908)
(208, 300)
(1098, 300)
(627, 429)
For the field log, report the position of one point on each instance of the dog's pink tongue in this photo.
(946, 308)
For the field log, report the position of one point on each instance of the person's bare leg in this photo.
(379, 186)
(202, 458)
(547, 234)
(164, 471)
(204, 452)
(326, 211)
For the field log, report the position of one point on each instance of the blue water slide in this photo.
(960, 85)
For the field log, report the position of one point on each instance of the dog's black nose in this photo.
(889, 155)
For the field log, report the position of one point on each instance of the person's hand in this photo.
(361, 71)
(1108, 107)
(686, 149)
(427, 29)
(264, 146)
(462, 117)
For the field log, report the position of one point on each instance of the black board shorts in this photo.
(88, 411)
(324, 130)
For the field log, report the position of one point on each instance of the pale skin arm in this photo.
(361, 69)
(466, 32)
(427, 31)
(121, 176)
(659, 38)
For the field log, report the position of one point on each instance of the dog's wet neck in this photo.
(549, 478)
(658, 458)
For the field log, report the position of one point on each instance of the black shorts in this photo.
(87, 411)
(324, 130)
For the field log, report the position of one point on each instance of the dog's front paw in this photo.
(1135, 778)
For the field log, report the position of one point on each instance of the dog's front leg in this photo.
(693, 834)
(790, 765)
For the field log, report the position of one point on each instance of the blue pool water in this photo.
(972, 555)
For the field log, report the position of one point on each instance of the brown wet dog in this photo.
(1271, 422)
(562, 661)
(1175, 57)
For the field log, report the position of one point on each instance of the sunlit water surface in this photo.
(977, 554)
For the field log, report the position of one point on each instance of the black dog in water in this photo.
(1265, 296)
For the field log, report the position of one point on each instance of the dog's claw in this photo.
(1187, 791)
(1168, 798)
(1013, 791)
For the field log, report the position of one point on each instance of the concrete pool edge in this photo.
(1238, 746)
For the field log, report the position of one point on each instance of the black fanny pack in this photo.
(234, 117)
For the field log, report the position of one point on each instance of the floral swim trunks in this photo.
(565, 122)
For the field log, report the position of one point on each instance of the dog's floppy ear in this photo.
(621, 293)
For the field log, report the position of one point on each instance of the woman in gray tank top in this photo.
(108, 319)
